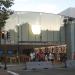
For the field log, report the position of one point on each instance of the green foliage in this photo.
(5, 11)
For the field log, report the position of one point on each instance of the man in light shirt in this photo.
(51, 57)
(32, 56)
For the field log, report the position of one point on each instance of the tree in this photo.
(5, 12)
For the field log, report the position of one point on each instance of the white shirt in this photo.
(51, 56)
(32, 55)
(46, 58)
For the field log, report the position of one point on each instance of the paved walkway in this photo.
(19, 70)
(22, 66)
(3, 72)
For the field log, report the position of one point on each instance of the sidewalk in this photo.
(22, 66)
(2, 72)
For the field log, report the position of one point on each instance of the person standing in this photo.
(51, 57)
(40, 55)
(32, 56)
(46, 58)
(65, 59)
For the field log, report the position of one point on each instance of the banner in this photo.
(10, 52)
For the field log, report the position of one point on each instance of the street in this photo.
(19, 69)
(58, 71)
(52, 71)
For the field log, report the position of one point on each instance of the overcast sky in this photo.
(49, 6)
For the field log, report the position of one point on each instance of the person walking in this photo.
(64, 60)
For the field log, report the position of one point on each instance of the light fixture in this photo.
(36, 29)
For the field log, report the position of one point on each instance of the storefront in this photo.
(57, 51)
(23, 54)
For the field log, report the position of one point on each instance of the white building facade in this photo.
(52, 29)
(50, 25)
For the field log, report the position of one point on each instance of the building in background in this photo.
(69, 14)
(50, 25)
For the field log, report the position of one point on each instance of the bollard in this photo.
(25, 66)
(5, 67)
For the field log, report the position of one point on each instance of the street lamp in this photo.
(36, 29)
(18, 41)
(5, 63)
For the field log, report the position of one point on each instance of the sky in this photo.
(48, 6)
